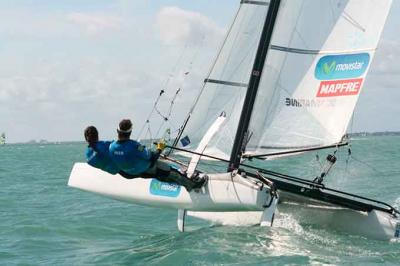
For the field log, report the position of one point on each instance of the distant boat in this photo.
(3, 138)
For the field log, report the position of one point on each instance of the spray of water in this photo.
(397, 203)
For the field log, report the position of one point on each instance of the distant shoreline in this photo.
(382, 133)
(356, 134)
(46, 142)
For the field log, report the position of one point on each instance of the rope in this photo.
(366, 164)
(166, 117)
(171, 106)
(300, 181)
(172, 102)
(147, 123)
(182, 128)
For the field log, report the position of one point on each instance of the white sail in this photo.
(315, 69)
(226, 86)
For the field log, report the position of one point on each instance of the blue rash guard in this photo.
(99, 157)
(130, 156)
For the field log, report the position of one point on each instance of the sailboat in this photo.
(3, 138)
(285, 82)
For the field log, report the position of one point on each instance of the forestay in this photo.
(225, 88)
(315, 69)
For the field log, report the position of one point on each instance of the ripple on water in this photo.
(45, 222)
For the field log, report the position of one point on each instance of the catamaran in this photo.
(285, 82)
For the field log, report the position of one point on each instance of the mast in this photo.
(242, 132)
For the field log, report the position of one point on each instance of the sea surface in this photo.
(44, 222)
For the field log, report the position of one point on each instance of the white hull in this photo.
(233, 200)
(375, 224)
(222, 192)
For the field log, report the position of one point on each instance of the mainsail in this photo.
(314, 71)
(225, 88)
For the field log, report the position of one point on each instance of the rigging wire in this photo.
(147, 122)
(317, 158)
(366, 164)
(170, 76)
(350, 155)
(165, 118)
(149, 132)
(184, 124)
(348, 159)
(302, 181)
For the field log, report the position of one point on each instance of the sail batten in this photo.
(261, 3)
(316, 52)
(229, 83)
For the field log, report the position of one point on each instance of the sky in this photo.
(65, 65)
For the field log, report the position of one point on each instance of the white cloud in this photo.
(70, 95)
(377, 105)
(384, 73)
(54, 74)
(178, 26)
(387, 58)
(95, 23)
(57, 25)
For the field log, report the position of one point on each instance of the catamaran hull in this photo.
(223, 192)
(374, 224)
(234, 200)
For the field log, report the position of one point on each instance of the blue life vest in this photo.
(99, 157)
(130, 156)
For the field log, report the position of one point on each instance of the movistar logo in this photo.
(328, 68)
(159, 188)
(155, 186)
(336, 67)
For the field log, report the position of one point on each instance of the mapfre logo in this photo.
(333, 67)
(334, 88)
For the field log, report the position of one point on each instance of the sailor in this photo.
(136, 160)
(97, 152)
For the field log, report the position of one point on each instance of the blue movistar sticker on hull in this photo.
(164, 189)
(334, 67)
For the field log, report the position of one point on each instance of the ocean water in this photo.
(44, 222)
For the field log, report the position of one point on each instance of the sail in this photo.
(315, 69)
(225, 88)
(314, 72)
(2, 138)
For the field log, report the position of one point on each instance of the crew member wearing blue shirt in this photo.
(135, 159)
(97, 152)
